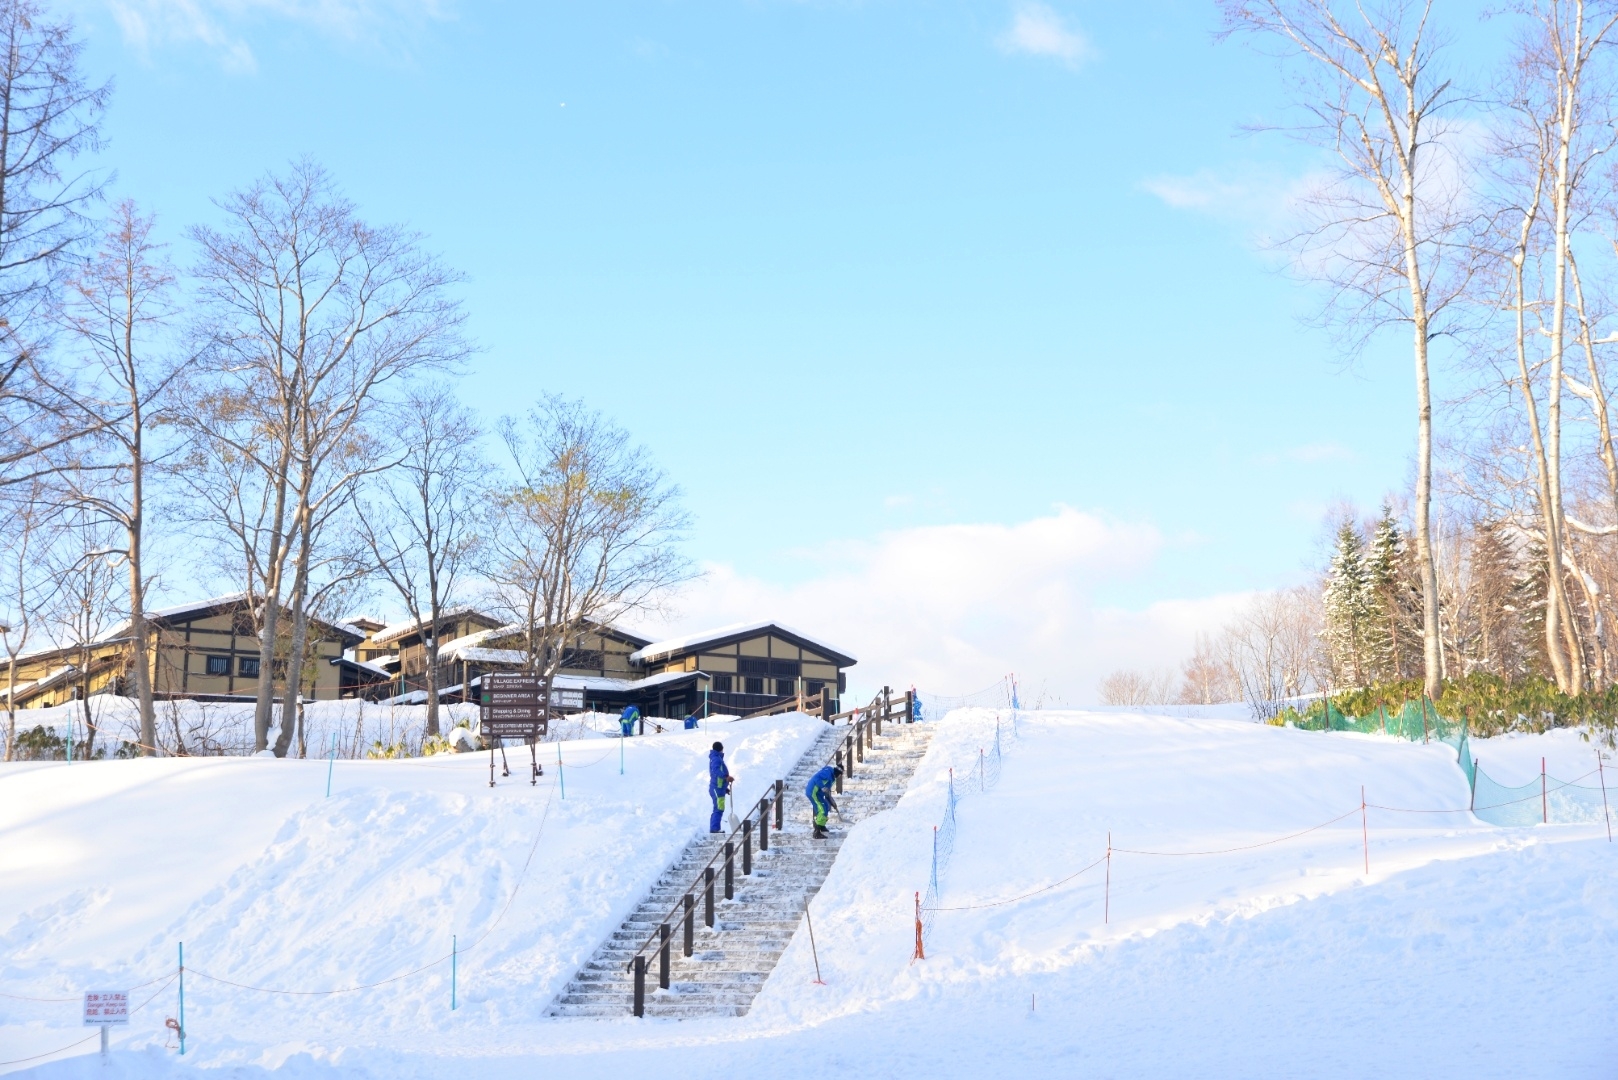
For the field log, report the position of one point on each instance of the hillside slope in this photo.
(1467, 950)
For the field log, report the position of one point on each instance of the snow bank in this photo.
(1465, 950)
(106, 866)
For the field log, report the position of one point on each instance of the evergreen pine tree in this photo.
(1350, 607)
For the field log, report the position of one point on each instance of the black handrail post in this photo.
(747, 848)
(663, 959)
(707, 900)
(730, 870)
(780, 786)
(640, 985)
(839, 772)
(764, 825)
(859, 739)
(849, 759)
(690, 924)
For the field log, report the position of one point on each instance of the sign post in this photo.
(103, 1008)
(509, 707)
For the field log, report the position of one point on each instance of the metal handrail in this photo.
(868, 719)
(718, 853)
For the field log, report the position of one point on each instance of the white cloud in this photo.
(220, 25)
(1038, 30)
(953, 608)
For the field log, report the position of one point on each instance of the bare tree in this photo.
(1390, 235)
(1127, 686)
(1206, 676)
(86, 598)
(587, 535)
(421, 526)
(1548, 160)
(23, 587)
(49, 116)
(117, 304)
(311, 317)
(1273, 647)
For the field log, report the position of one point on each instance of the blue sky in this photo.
(953, 310)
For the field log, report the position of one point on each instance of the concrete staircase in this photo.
(729, 964)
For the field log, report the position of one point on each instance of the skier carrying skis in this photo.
(719, 781)
(819, 792)
(626, 720)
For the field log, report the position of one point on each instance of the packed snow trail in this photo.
(730, 962)
(1467, 951)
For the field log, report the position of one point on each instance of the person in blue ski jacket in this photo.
(626, 720)
(690, 723)
(819, 792)
(719, 781)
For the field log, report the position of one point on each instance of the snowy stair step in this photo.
(732, 961)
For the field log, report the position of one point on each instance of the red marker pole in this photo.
(1106, 903)
(1605, 814)
(1365, 830)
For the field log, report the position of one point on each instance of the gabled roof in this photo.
(225, 603)
(410, 626)
(726, 635)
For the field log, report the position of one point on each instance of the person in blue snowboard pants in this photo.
(719, 781)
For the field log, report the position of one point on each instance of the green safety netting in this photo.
(1543, 801)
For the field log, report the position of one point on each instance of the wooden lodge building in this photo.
(210, 651)
(733, 669)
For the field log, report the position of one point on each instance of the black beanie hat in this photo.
(719, 746)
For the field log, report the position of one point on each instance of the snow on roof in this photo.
(475, 639)
(364, 665)
(659, 649)
(489, 656)
(611, 685)
(410, 626)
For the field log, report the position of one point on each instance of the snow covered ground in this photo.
(1466, 950)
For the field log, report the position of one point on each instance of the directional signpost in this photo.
(510, 708)
(103, 1008)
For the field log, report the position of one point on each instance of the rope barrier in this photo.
(1244, 847)
(80, 1042)
(1552, 785)
(1024, 896)
(58, 1001)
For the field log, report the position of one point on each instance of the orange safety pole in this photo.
(921, 953)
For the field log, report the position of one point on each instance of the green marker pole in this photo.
(561, 780)
(182, 998)
(331, 763)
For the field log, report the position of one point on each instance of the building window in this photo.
(721, 684)
(755, 685)
(247, 667)
(218, 665)
(749, 666)
(813, 687)
(785, 687)
(784, 669)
